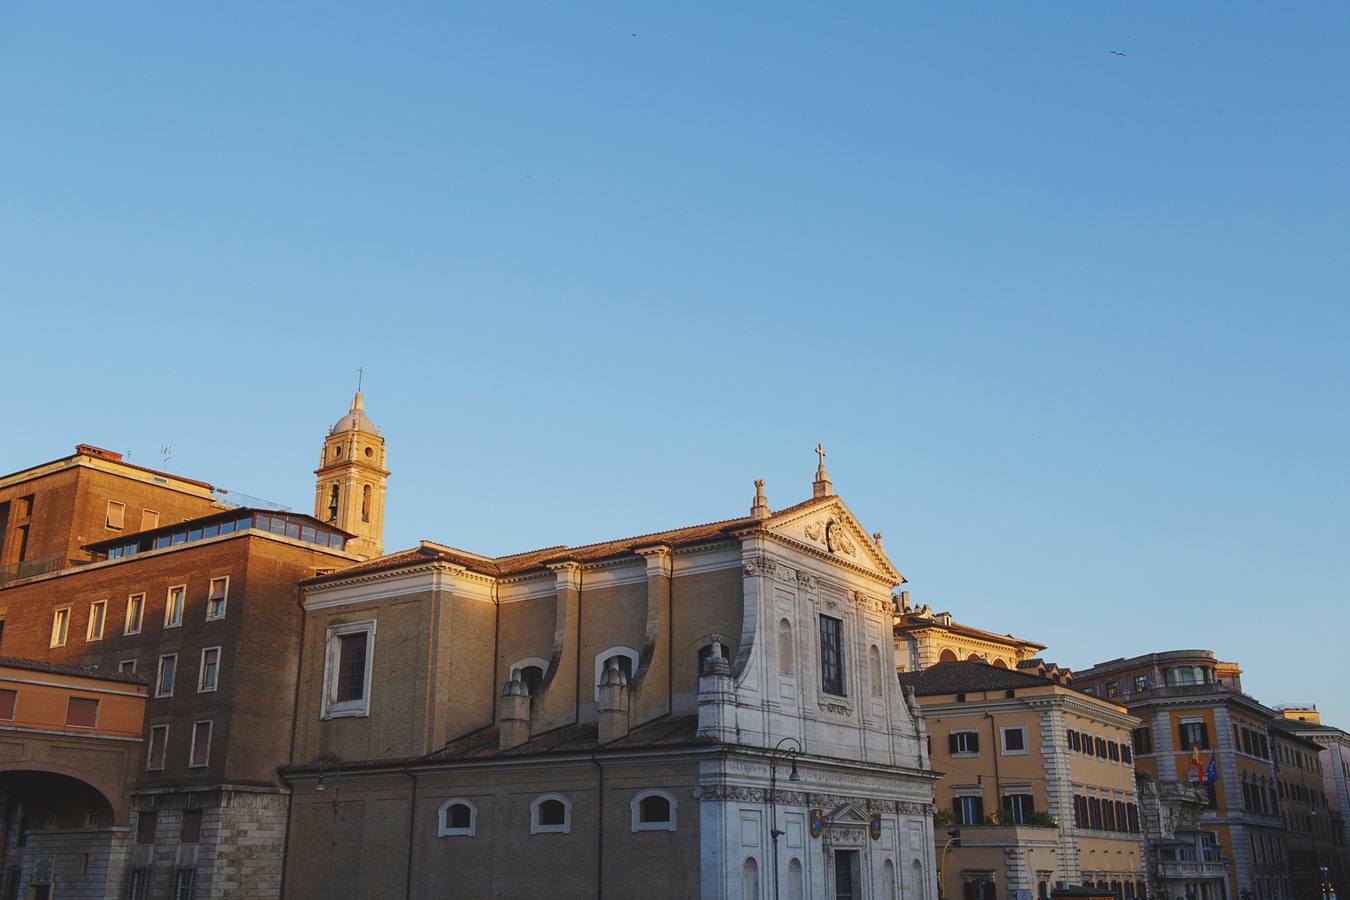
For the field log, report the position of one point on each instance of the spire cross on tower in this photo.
(820, 451)
(360, 375)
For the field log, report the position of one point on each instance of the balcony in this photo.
(31, 568)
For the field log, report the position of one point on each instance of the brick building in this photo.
(708, 711)
(142, 574)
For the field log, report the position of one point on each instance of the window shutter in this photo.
(979, 811)
(973, 742)
(1181, 737)
(951, 743)
(1204, 736)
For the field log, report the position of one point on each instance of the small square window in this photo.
(215, 598)
(963, 743)
(1014, 738)
(82, 712)
(127, 667)
(458, 816)
(551, 813)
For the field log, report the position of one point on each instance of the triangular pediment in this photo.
(847, 814)
(826, 526)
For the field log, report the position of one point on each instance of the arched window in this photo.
(795, 889)
(458, 816)
(888, 879)
(974, 657)
(1000, 664)
(784, 647)
(653, 810)
(628, 660)
(531, 670)
(947, 655)
(750, 879)
(551, 812)
(365, 503)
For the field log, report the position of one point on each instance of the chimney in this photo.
(515, 727)
(613, 702)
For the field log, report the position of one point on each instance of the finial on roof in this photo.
(821, 487)
(760, 508)
(876, 537)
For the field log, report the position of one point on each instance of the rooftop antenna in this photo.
(165, 450)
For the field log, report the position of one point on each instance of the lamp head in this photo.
(793, 776)
(318, 785)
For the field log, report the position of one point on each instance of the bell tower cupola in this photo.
(349, 490)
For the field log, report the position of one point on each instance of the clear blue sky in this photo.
(1073, 326)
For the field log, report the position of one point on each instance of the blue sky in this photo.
(1071, 325)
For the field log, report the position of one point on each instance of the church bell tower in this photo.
(349, 490)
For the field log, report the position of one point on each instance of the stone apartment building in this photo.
(1191, 704)
(1038, 782)
(136, 574)
(707, 712)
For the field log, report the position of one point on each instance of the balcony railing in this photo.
(30, 568)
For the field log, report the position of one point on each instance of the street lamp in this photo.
(953, 837)
(780, 752)
(329, 762)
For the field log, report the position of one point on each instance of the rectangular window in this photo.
(201, 744)
(1022, 807)
(210, 670)
(149, 519)
(969, 810)
(164, 679)
(173, 606)
(967, 742)
(1101, 747)
(1140, 683)
(145, 828)
(1113, 750)
(347, 669)
(1113, 689)
(192, 827)
(1014, 738)
(1075, 744)
(215, 598)
(135, 611)
(1143, 740)
(97, 612)
(1193, 735)
(7, 702)
(81, 712)
(60, 625)
(832, 656)
(117, 515)
(127, 667)
(159, 742)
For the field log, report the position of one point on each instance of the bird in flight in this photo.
(1117, 53)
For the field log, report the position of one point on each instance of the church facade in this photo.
(708, 711)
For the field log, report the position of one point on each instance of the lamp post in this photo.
(330, 763)
(780, 752)
(953, 837)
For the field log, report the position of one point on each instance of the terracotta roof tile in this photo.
(969, 675)
(51, 668)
